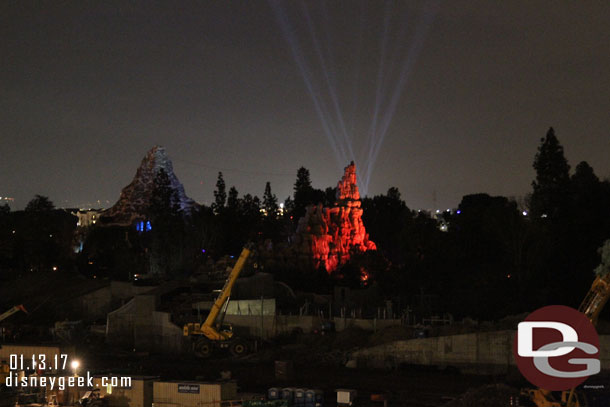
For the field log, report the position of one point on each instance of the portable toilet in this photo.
(310, 397)
(319, 397)
(273, 393)
(288, 394)
(345, 397)
(299, 396)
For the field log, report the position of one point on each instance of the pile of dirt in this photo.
(391, 334)
(350, 338)
(494, 395)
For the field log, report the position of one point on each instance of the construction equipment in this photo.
(592, 306)
(92, 398)
(213, 333)
(12, 311)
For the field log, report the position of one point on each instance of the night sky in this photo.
(87, 88)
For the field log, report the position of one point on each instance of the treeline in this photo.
(498, 256)
(490, 257)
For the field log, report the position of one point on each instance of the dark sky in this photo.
(86, 88)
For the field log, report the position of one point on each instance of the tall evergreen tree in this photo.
(220, 194)
(551, 187)
(270, 201)
(164, 201)
(233, 200)
(166, 254)
(303, 193)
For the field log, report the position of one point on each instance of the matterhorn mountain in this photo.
(136, 198)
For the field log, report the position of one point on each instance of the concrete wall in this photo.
(368, 324)
(241, 307)
(97, 304)
(137, 325)
(483, 352)
(271, 326)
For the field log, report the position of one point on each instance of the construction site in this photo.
(236, 332)
(186, 343)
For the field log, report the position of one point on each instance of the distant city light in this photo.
(524, 213)
(202, 250)
(458, 212)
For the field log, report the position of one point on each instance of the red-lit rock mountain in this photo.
(328, 236)
(135, 199)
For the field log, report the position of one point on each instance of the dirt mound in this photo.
(391, 334)
(351, 337)
(494, 395)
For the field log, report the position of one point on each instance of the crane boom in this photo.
(596, 298)
(209, 328)
(12, 311)
(592, 306)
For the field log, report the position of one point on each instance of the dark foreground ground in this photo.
(409, 386)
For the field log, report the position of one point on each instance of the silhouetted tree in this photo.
(288, 207)
(220, 194)
(552, 179)
(232, 200)
(164, 200)
(167, 227)
(5, 209)
(270, 202)
(385, 217)
(40, 203)
(272, 223)
(303, 193)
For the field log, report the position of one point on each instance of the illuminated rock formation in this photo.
(135, 199)
(328, 236)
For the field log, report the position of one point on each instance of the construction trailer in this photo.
(193, 394)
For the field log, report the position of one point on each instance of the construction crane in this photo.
(592, 306)
(212, 333)
(12, 311)
(4, 367)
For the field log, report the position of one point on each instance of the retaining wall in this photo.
(482, 352)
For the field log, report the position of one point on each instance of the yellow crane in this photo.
(212, 333)
(12, 311)
(4, 367)
(592, 306)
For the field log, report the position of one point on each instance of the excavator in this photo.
(213, 334)
(592, 306)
